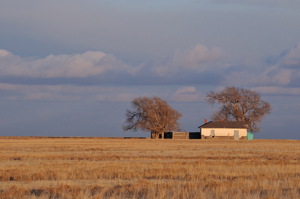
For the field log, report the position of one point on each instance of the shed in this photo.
(181, 135)
(224, 129)
(176, 135)
(249, 136)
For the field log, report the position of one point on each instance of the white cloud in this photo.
(186, 89)
(282, 73)
(95, 93)
(271, 76)
(116, 97)
(200, 54)
(292, 58)
(198, 59)
(91, 63)
(4, 53)
(186, 94)
(275, 76)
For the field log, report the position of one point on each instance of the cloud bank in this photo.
(100, 76)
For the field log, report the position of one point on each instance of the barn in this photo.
(224, 129)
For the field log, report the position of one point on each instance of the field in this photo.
(144, 168)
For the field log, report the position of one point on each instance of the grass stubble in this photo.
(145, 168)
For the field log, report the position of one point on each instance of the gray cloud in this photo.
(273, 90)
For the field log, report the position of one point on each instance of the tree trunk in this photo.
(154, 135)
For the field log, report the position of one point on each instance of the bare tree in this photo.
(239, 105)
(151, 114)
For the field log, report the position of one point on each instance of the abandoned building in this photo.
(236, 130)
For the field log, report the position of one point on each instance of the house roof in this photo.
(225, 124)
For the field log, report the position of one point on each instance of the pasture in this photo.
(144, 168)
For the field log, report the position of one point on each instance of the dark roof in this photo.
(225, 124)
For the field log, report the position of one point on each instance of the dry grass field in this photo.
(144, 168)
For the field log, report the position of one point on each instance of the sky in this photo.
(71, 68)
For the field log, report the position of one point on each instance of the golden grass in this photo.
(129, 168)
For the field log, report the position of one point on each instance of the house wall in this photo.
(223, 132)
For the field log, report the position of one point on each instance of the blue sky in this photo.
(71, 68)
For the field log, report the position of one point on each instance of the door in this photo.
(236, 135)
(212, 133)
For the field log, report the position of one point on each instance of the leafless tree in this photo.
(239, 105)
(151, 114)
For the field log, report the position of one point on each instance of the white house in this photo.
(224, 129)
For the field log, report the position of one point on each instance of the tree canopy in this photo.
(151, 114)
(239, 105)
